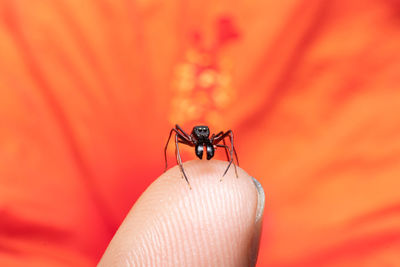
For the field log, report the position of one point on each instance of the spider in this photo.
(201, 140)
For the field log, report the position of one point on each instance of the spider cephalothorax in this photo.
(200, 135)
(201, 140)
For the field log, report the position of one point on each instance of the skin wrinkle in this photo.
(191, 209)
(130, 258)
(246, 228)
(227, 244)
(167, 234)
(148, 256)
(179, 225)
(219, 225)
(231, 244)
(150, 240)
(241, 230)
(206, 226)
(198, 237)
(240, 207)
(245, 222)
(157, 241)
(234, 197)
(188, 248)
(216, 225)
(191, 216)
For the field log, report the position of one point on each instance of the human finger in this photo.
(216, 223)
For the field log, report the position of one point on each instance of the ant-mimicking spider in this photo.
(200, 139)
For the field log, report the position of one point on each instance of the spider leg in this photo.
(179, 160)
(222, 138)
(186, 142)
(229, 158)
(231, 161)
(237, 159)
(188, 137)
(225, 146)
(217, 135)
(165, 150)
(166, 146)
(226, 149)
(234, 151)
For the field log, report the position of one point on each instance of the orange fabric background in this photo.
(89, 90)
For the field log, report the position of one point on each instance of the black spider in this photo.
(200, 139)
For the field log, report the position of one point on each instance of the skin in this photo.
(217, 223)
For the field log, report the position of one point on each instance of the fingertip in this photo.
(206, 222)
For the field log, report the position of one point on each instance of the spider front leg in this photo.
(229, 158)
(226, 150)
(166, 147)
(221, 137)
(182, 137)
(179, 138)
(224, 145)
(187, 137)
(179, 160)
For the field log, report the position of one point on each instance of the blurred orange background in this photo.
(90, 89)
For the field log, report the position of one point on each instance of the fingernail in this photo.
(255, 243)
